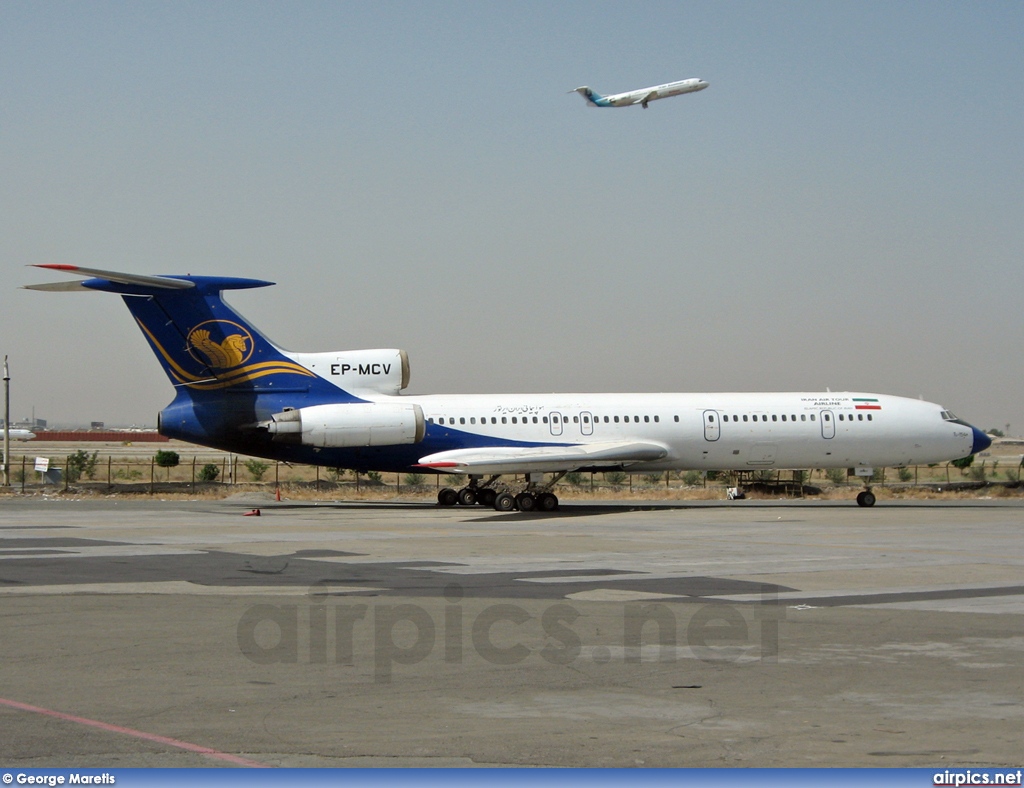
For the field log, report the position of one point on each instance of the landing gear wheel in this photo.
(467, 496)
(504, 502)
(526, 502)
(486, 496)
(547, 502)
(447, 497)
(866, 498)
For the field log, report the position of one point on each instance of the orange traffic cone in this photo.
(252, 513)
(277, 494)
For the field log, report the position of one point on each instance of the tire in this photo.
(504, 502)
(547, 502)
(866, 498)
(447, 497)
(486, 496)
(467, 496)
(526, 502)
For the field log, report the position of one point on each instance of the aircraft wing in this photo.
(540, 459)
(648, 97)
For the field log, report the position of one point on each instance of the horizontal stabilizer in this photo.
(161, 282)
(536, 459)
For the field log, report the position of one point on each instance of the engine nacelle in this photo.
(348, 425)
(379, 371)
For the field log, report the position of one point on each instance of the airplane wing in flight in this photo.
(539, 459)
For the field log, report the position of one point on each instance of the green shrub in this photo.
(836, 475)
(616, 478)
(256, 469)
(81, 463)
(209, 473)
(415, 479)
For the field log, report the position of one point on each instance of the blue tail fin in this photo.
(202, 344)
(593, 98)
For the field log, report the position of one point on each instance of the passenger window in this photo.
(504, 420)
(544, 419)
(774, 417)
(656, 419)
(472, 419)
(586, 419)
(534, 419)
(616, 419)
(575, 419)
(860, 417)
(636, 419)
(514, 420)
(647, 419)
(494, 420)
(677, 418)
(605, 419)
(783, 416)
(812, 417)
(462, 419)
(869, 417)
(803, 417)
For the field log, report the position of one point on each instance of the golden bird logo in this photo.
(220, 355)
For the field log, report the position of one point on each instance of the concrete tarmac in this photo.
(170, 633)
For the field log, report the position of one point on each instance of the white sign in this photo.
(42, 464)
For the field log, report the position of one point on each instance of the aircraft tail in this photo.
(593, 98)
(202, 344)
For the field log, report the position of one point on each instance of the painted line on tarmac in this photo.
(106, 726)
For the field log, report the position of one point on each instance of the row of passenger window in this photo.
(792, 417)
(586, 418)
(555, 419)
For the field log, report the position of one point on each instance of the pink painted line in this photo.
(106, 726)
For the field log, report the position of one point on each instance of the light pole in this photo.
(7, 425)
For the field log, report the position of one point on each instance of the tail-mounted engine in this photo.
(348, 425)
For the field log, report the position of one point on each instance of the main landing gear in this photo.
(537, 496)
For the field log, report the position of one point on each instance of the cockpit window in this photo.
(948, 416)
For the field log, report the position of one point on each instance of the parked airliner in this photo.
(238, 392)
(19, 435)
(643, 96)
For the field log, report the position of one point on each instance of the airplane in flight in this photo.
(238, 392)
(19, 435)
(643, 96)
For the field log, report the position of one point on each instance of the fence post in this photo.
(67, 468)
(110, 459)
(317, 487)
(152, 475)
(398, 484)
(22, 473)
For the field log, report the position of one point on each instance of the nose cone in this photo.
(981, 441)
(701, 84)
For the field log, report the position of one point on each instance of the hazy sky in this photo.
(841, 208)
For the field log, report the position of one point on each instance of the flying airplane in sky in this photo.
(18, 435)
(643, 96)
(237, 392)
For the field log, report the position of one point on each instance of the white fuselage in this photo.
(656, 92)
(724, 431)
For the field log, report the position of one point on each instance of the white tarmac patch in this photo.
(180, 587)
(618, 595)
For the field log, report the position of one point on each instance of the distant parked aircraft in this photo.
(20, 435)
(642, 96)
